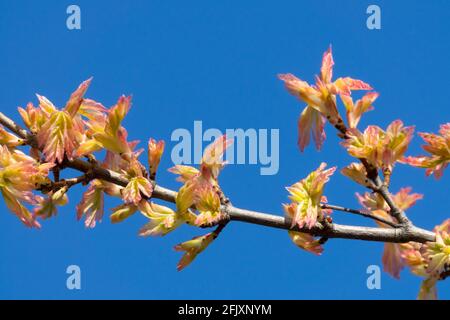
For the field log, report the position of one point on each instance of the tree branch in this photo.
(394, 235)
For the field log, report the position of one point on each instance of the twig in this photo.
(220, 228)
(56, 185)
(361, 213)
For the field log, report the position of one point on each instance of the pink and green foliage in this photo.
(438, 146)
(307, 195)
(91, 204)
(74, 136)
(201, 189)
(430, 260)
(381, 148)
(321, 101)
(192, 248)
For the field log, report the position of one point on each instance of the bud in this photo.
(155, 151)
(192, 248)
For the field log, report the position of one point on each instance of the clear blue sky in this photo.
(195, 60)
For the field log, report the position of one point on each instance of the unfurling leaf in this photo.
(306, 242)
(62, 130)
(438, 253)
(59, 136)
(356, 110)
(380, 148)
(162, 219)
(47, 206)
(428, 290)
(392, 260)
(117, 114)
(212, 160)
(123, 211)
(185, 172)
(303, 240)
(357, 172)
(185, 198)
(19, 176)
(201, 189)
(34, 118)
(311, 122)
(208, 205)
(430, 260)
(76, 99)
(192, 248)
(8, 139)
(438, 146)
(135, 188)
(91, 205)
(306, 196)
(113, 136)
(19, 209)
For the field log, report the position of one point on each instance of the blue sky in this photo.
(217, 62)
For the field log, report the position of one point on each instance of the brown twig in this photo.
(361, 213)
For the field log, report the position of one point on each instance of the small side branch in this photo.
(380, 187)
(14, 127)
(361, 213)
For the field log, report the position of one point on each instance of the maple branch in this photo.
(394, 235)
